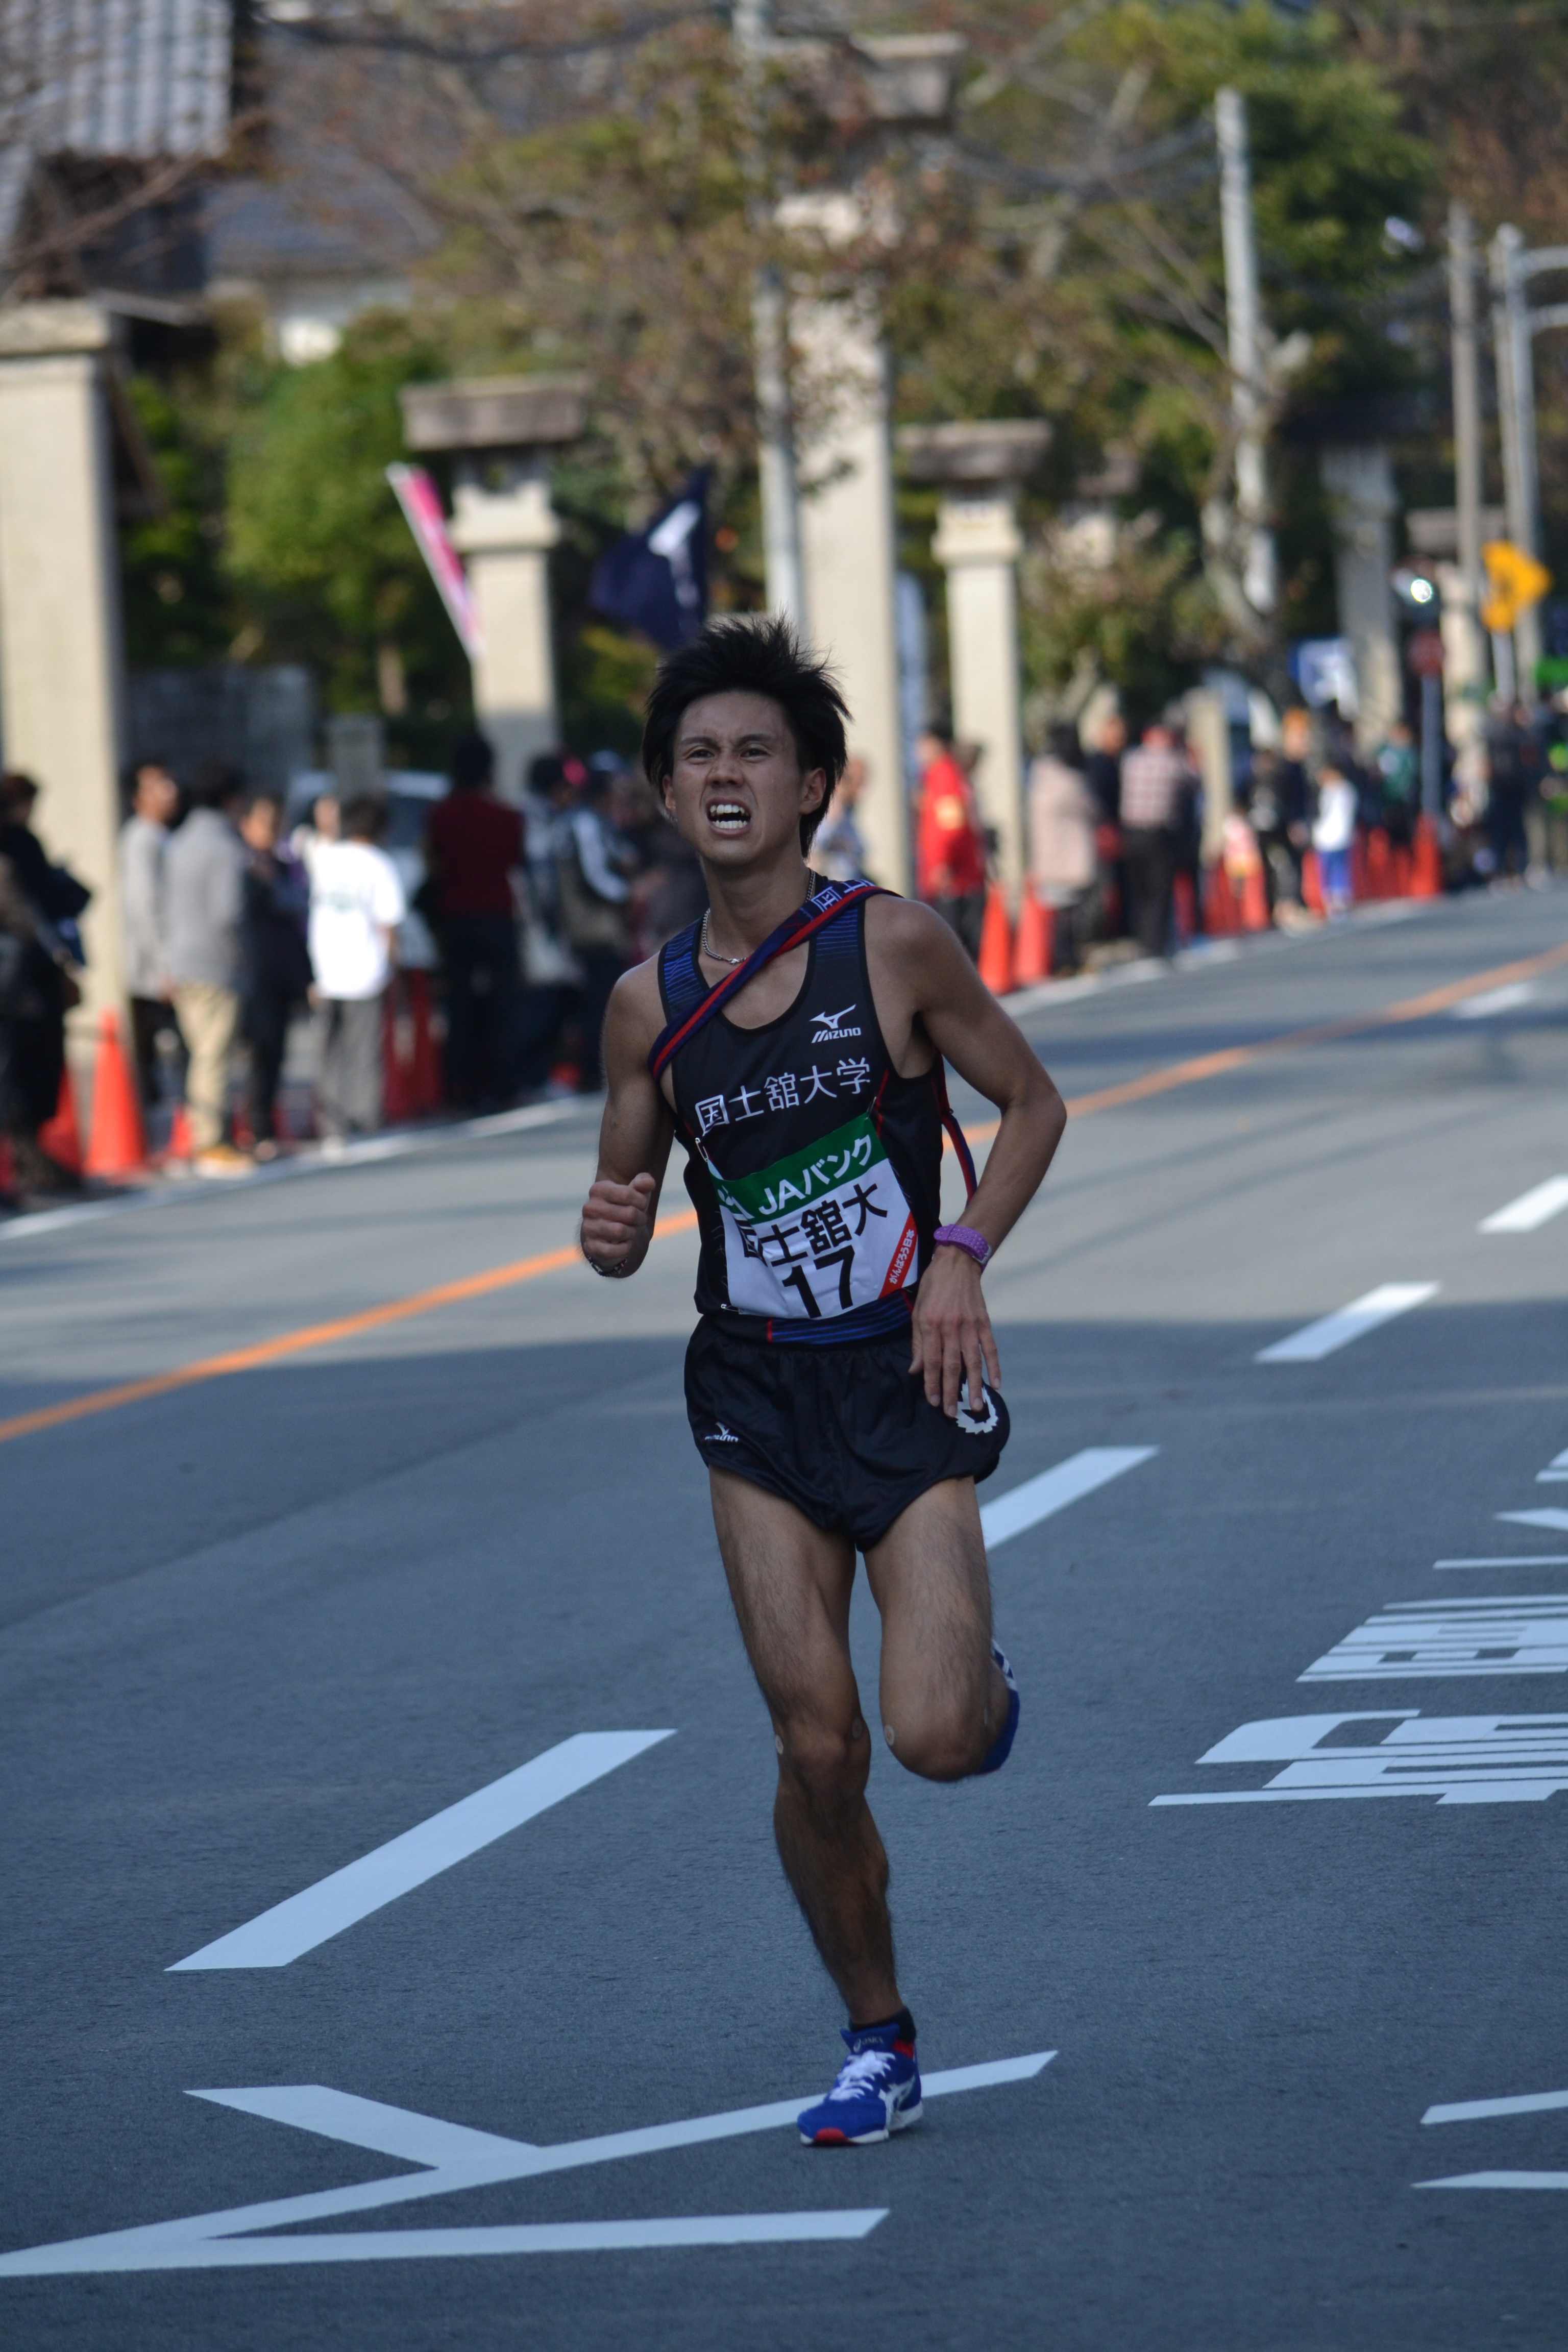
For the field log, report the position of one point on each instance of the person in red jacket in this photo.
(949, 851)
(473, 845)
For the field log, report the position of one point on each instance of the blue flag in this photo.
(657, 579)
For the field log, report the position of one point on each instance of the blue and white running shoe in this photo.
(877, 2094)
(1001, 1747)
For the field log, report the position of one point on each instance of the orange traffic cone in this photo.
(1426, 874)
(60, 1137)
(1032, 948)
(181, 1146)
(426, 1073)
(1220, 917)
(1312, 884)
(996, 944)
(118, 1143)
(1379, 864)
(1255, 914)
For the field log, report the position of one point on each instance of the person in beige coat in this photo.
(1063, 865)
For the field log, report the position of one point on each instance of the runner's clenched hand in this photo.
(953, 1336)
(618, 1221)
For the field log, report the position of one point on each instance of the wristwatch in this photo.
(965, 1238)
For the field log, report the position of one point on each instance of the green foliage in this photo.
(178, 606)
(318, 547)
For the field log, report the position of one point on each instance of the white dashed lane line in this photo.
(1531, 1210)
(281, 1935)
(1039, 1498)
(1331, 1332)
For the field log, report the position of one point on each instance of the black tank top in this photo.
(815, 1169)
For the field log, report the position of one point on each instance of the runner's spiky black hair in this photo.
(746, 656)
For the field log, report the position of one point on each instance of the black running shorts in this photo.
(844, 1434)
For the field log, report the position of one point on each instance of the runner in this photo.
(794, 1040)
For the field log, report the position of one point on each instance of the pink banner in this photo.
(421, 503)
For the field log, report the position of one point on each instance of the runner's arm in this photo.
(953, 1342)
(636, 1132)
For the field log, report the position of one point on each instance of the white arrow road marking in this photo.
(1531, 1209)
(1053, 1490)
(1522, 1634)
(1465, 2111)
(1555, 1470)
(457, 2158)
(1556, 1520)
(310, 1917)
(1331, 1332)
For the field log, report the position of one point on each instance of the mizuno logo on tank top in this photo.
(815, 1167)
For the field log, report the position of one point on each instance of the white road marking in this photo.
(1465, 2111)
(1555, 1470)
(1556, 1520)
(1496, 1000)
(1331, 1332)
(281, 1935)
(1499, 2181)
(1053, 1490)
(1463, 1759)
(1511, 1559)
(457, 2158)
(1522, 1634)
(1531, 1209)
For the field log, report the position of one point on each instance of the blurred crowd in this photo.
(272, 949)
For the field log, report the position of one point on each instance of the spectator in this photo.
(1103, 769)
(1334, 830)
(144, 838)
(473, 847)
(203, 902)
(594, 865)
(324, 824)
(838, 851)
(1398, 770)
(1515, 765)
(277, 962)
(1157, 791)
(949, 859)
(551, 971)
(356, 904)
(1062, 866)
(37, 987)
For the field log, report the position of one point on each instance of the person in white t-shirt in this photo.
(356, 904)
(1333, 832)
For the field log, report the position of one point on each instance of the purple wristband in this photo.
(965, 1238)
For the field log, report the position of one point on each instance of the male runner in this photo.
(794, 1039)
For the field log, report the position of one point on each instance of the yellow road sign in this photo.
(1515, 580)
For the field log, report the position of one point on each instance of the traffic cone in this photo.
(1312, 884)
(1427, 876)
(118, 1143)
(396, 1093)
(1379, 864)
(1400, 884)
(1032, 948)
(1220, 917)
(1255, 914)
(426, 1071)
(181, 1146)
(996, 944)
(60, 1137)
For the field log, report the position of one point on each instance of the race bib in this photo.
(825, 1230)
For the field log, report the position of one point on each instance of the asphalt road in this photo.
(261, 1624)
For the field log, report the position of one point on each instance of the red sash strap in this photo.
(827, 903)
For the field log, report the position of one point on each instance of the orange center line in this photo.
(527, 1269)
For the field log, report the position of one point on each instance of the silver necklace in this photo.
(709, 949)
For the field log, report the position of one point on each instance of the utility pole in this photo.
(1516, 411)
(1466, 420)
(751, 31)
(1245, 327)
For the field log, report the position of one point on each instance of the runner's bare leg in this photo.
(791, 1585)
(943, 1700)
